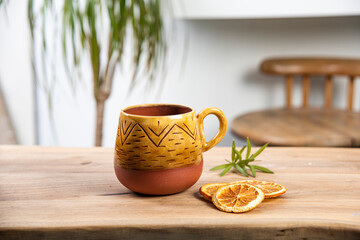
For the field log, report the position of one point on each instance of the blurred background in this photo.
(213, 53)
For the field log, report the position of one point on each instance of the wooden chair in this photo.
(305, 126)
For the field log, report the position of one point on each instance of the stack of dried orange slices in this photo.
(241, 196)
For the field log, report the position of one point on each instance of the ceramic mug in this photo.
(159, 147)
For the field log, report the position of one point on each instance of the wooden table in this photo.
(72, 193)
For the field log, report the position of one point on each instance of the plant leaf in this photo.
(259, 151)
(222, 166)
(248, 151)
(246, 162)
(252, 170)
(241, 165)
(241, 170)
(242, 149)
(263, 169)
(239, 153)
(226, 169)
(233, 151)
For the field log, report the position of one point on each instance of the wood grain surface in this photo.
(72, 193)
(300, 127)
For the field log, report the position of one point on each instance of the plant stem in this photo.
(100, 107)
(102, 91)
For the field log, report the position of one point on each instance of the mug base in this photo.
(159, 182)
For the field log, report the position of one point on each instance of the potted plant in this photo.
(83, 30)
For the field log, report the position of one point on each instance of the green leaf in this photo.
(259, 151)
(252, 170)
(236, 158)
(241, 170)
(222, 166)
(226, 170)
(248, 151)
(236, 153)
(263, 169)
(241, 165)
(239, 153)
(233, 151)
(246, 162)
(242, 149)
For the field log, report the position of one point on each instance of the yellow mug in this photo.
(159, 147)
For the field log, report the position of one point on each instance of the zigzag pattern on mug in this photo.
(125, 131)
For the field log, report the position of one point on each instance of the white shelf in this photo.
(260, 9)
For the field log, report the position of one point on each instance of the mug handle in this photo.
(222, 129)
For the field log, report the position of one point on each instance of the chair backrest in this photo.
(306, 67)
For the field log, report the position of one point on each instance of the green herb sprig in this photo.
(240, 164)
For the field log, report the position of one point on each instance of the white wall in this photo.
(15, 70)
(221, 70)
(254, 9)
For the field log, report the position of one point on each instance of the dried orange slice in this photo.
(237, 198)
(208, 190)
(270, 189)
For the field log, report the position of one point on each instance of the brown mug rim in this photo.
(154, 105)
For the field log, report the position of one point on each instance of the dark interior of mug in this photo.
(158, 110)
